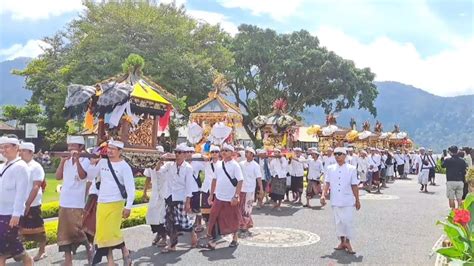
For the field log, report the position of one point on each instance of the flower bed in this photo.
(137, 217)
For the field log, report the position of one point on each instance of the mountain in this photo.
(431, 121)
(11, 86)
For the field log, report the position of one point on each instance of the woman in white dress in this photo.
(155, 216)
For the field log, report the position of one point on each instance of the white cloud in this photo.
(446, 73)
(36, 9)
(277, 9)
(214, 18)
(32, 49)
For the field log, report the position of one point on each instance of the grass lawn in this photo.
(50, 193)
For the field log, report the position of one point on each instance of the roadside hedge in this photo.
(137, 217)
(51, 209)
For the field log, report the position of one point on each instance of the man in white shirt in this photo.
(181, 186)
(351, 158)
(400, 161)
(362, 166)
(328, 159)
(342, 179)
(14, 176)
(264, 164)
(32, 224)
(278, 170)
(252, 177)
(209, 171)
(227, 186)
(374, 169)
(406, 168)
(315, 170)
(297, 166)
(423, 170)
(73, 171)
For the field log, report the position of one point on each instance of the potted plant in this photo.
(459, 228)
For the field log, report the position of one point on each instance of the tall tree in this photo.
(294, 66)
(180, 53)
(30, 113)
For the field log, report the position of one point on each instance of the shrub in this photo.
(439, 169)
(137, 217)
(50, 209)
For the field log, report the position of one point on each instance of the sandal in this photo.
(211, 246)
(233, 244)
(168, 249)
(40, 257)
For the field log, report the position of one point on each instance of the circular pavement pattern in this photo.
(370, 196)
(271, 237)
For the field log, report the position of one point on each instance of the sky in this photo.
(427, 44)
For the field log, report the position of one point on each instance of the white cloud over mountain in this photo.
(446, 73)
(32, 49)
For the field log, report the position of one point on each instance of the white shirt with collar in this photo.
(352, 159)
(278, 167)
(329, 160)
(13, 187)
(341, 179)
(399, 159)
(225, 191)
(73, 190)
(297, 167)
(109, 190)
(374, 161)
(250, 172)
(181, 183)
(209, 172)
(363, 164)
(36, 173)
(315, 169)
(383, 159)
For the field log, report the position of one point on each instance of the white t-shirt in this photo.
(278, 167)
(374, 161)
(109, 191)
(225, 191)
(399, 158)
(73, 190)
(209, 172)
(250, 171)
(341, 179)
(297, 167)
(36, 173)
(13, 184)
(315, 169)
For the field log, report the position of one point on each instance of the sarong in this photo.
(10, 244)
(278, 188)
(344, 217)
(176, 220)
(70, 234)
(376, 177)
(297, 184)
(227, 217)
(32, 225)
(432, 174)
(205, 207)
(90, 213)
(108, 234)
(246, 206)
(423, 177)
(401, 169)
(312, 189)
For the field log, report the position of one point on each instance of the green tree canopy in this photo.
(180, 52)
(295, 67)
(30, 113)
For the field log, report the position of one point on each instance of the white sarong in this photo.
(344, 218)
(423, 176)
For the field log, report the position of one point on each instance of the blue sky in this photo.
(428, 44)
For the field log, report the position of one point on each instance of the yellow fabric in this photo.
(147, 93)
(89, 121)
(108, 222)
(284, 141)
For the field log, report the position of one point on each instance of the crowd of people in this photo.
(205, 195)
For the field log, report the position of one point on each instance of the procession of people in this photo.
(207, 195)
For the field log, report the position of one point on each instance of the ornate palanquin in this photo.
(128, 107)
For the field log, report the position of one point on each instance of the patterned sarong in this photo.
(278, 187)
(32, 225)
(10, 245)
(70, 234)
(245, 206)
